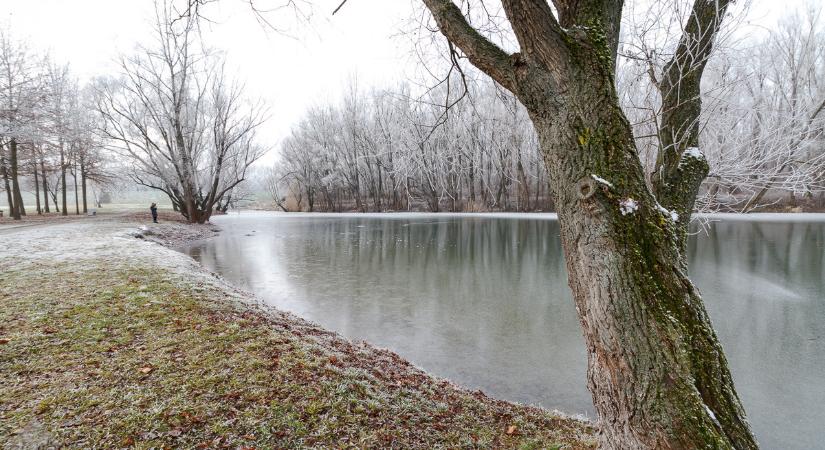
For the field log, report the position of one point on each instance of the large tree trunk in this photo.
(656, 371)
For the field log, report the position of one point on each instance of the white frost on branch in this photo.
(692, 152)
(674, 216)
(601, 180)
(628, 206)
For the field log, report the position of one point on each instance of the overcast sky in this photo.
(290, 72)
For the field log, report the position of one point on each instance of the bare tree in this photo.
(21, 94)
(188, 130)
(379, 150)
(768, 132)
(62, 100)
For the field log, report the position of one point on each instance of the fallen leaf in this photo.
(4, 341)
(176, 432)
(511, 429)
(49, 330)
(146, 369)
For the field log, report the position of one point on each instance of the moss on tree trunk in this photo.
(656, 370)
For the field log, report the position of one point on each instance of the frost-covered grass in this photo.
(112, 342)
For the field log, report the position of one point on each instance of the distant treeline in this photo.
(762, 132)
(385, 151)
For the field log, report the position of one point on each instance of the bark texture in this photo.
(6, 182)
(17, 206)
(678, 174)
(36, 187)
(64, 208)
(656, 371)
(45, 185)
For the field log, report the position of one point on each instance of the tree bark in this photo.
(6, 182)
(16, 207)
(64, 208)
(76, 196)
(83, 184)
(656, 371)
(679, 173)
(45, 185)
(36, 187)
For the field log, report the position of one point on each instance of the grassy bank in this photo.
(111, 349)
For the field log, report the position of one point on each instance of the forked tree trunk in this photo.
(656, 371)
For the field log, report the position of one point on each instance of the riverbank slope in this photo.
(108, 340)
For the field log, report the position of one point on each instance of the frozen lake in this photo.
(483, 300)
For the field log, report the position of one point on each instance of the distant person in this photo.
(154, 209)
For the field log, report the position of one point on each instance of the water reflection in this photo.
(484, 301)
(763, 286)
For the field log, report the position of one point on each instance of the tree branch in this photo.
(606, 14)
(482, 53)
(680, 88)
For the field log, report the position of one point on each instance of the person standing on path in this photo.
(154, 209)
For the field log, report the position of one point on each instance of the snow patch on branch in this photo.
(602, 180)
(693, 152)
(674, 216)
(628, 206)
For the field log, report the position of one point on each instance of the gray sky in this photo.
(309, 65)
(289, 73)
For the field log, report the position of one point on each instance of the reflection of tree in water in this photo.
(485, 302)
(456, 295)
(763, 285)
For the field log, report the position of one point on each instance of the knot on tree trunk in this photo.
(586, 188)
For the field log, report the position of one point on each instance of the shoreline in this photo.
(324, 390)
(766, 217)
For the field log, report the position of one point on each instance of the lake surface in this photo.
(483, 300)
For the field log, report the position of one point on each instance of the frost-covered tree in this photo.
(767, 132)
(21, 98)
(381, 150)
(186, 128)
(762, 100)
